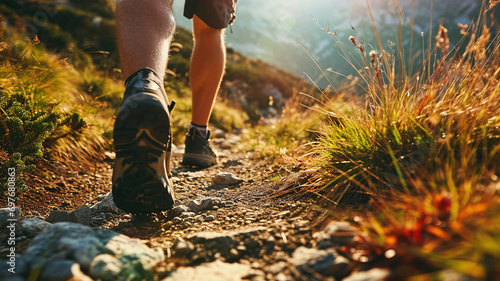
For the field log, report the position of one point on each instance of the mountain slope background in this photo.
(274, 31)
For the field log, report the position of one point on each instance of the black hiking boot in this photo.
(143, 142)
(198, 151)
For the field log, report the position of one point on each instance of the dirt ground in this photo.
(265, 230)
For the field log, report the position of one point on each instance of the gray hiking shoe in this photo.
(198, 151)
(143, 142)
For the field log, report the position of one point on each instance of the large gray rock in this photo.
(32, 227)
(214, 271)
(82, 245)
(62, 270)
(106, 267)
(80, 215)
(21, 267)
(106, 205)
(58, 216)
(326, 262)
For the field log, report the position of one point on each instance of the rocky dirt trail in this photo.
(224, 227)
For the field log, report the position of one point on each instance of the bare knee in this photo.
(201, 30)
(157, 14)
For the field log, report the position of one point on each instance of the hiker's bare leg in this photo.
(144, 30)
(207, 68)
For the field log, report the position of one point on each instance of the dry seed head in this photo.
(442, 41)
(372, 54)
(361, 46)
(463, 29)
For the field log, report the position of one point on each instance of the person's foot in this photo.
(198, 151)
(143, 142)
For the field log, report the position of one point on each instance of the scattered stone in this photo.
(99, 219)
(341, 232)
(322, 261)
(177, 220)
(323, 240)
(178, 210)
(213, 271)
(234, 254)
(210, 218)
(370, 275)
(256, 265)
(110, 155)
(228, 203)
(106, 267)
(81, 216)
(304, 230)
(300, 224)
(182, 247)
(186, 224)
(284, 214)
(280, 256)
(107, 205)
(187, 215)
(226, 179)
(282, 277)
(32, 227)
(58, 216)
(167, 225)
(276, 268)
(218, 133)
(196, 205)
(81, 244)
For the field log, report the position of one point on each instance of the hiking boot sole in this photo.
(142, 132)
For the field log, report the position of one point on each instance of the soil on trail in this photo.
(263, 231)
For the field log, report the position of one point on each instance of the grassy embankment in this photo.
(61, 86)
(421, 158)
